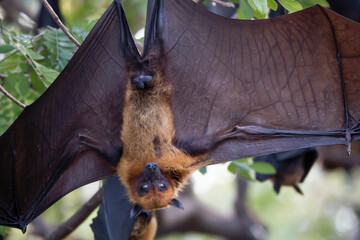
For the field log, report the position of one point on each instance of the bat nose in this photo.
(151, 166)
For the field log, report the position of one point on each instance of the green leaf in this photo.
(66, 44)
(232, 168)
(49, 74)
(34, 55)
(3, 231)
(244, 160)
(259, 5)
(23, 85)
(242, 166)
(37, 84)
(291, 5)
(245, 10)
(247, 175)
(6, 39)
(10, 82)
(309, 3)
(272, 5)
(24, 66)
(203, 170)
(4, 48)
(262, 167)
(260, 15)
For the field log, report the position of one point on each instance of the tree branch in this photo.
(200, 218)
(58, 21)
(73, 222)
(6, 93)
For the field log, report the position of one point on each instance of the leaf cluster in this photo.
(249, 9)
(29, 64)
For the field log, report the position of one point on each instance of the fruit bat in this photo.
(205, 90)
(291, 167)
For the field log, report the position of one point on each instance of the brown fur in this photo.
(148, 121)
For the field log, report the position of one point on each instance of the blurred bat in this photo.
(292, 167)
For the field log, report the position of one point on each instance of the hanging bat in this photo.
(292, 167)
(205, 90)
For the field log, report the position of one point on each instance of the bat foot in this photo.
(142, 81)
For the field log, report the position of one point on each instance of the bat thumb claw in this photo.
(135, 211)
(176, 203)
(23, 228)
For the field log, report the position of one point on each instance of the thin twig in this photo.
(224, 4)
(74, 221)
(58, 21)
(6, 93)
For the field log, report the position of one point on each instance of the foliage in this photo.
(3, 231)
(29, 64)
(247, 167)
(259, 9)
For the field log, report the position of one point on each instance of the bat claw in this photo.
(141, 80)
(23, 228)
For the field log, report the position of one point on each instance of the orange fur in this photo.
(148, 116)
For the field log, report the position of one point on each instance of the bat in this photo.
(113, 222)
(291, 167)
(205, 90)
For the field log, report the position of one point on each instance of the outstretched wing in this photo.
(249, 88)
(70, 136)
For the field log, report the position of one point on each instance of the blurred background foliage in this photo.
(31, 59)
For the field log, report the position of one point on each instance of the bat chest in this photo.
(148, 125)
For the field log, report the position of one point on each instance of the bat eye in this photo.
(161, 187)
(144, 188)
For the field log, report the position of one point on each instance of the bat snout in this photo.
(151, 166)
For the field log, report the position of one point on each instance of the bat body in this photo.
(148, 133)
(206, 90)
(291, 167)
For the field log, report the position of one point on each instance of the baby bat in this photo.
(205, 90)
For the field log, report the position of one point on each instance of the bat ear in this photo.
(135, 211)
(277, 186)
(298, 189)
(176, 203)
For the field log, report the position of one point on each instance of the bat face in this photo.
(152, 189)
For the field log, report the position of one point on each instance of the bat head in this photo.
(154, 190)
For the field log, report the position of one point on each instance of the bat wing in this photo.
(70, 136)
(113, 221)
(249, 88)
